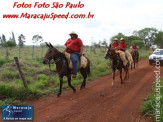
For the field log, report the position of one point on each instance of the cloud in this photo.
(110, 18)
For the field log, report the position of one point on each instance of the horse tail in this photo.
(88, 67)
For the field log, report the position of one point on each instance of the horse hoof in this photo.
(82, 87)
(74, 90)
(58, 95)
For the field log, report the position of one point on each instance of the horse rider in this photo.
(135, 48)
(123, 47)
(74, 46)
(115, 44)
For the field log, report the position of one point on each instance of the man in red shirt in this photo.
(122, 45)
(115, 44)
(74, 46)
(134, 47)
(125, 55)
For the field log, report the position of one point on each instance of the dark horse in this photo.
(116, 64)
(62, 67)
(135, 56)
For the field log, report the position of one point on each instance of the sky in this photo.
(110, 18)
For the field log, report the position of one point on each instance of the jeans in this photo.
(75, 60)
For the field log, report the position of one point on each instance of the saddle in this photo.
(123, 57)
(82, 62)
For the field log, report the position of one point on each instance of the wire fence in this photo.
(37, 52)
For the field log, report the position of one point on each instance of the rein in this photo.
(57, 59)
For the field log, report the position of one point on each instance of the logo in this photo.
(17, 112)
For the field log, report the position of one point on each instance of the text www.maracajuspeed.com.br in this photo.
(52, 16)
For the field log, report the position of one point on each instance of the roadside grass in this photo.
(144, 53)
(41, 81)
(149, 107)
(11, 101)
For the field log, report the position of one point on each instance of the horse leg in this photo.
(137, 62)
(60, 89)
(84, 74)
(128, 72)
(69, 83)
(134, 63)
(121, 75)
(113, 77)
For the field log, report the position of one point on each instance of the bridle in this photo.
(57, 59)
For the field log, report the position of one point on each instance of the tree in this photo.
(13, 37)
(130, 39)
(148, 35)
(139, 43)
(118, 36)
(159, 39)
(3, 39)
(9, 43)
(21, 40)
(104, 43)
(37, 39)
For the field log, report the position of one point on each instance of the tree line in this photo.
(21, 40)
(144, 38)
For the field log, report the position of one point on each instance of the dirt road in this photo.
(99, 101)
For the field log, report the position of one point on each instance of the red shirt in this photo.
(115, 45)
(122, 46)
(74, 45)
(134, 47)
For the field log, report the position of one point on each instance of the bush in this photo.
(9, 44)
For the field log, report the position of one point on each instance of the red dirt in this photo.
(99, 101)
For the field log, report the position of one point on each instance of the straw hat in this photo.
(122, 39)
(73, 33)
(115, 39)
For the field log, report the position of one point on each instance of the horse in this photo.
(116, 64)
(62, 67)
(135, 56)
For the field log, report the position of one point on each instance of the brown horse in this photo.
(135, 56)
(116, 64)
(62, 67)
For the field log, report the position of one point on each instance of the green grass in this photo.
(11, 101)
(41, 81)
(144, 53)
(149, 107)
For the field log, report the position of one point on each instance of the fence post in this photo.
(19, 51)
(7, 53)
(20, 72)
(32, 51)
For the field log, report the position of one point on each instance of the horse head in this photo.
(109, 52)
(50, 53)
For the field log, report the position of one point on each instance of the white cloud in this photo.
(110, 17)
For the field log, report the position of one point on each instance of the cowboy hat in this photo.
(122, 39)
(115, 39)
(73, 33)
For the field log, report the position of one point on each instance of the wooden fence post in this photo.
(7, 53)
(19, 51)
(32, 51)
(20, 72)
